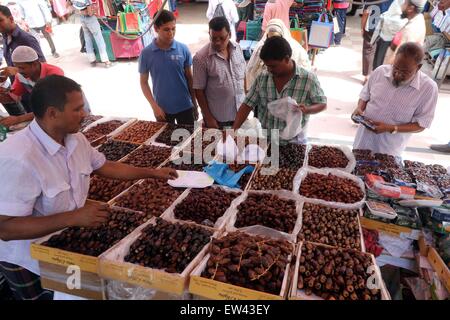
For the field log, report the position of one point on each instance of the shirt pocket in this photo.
(85, 178)
(56, 197)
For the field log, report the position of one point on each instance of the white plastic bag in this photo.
(253, 153)
(287, 109)
(228, 149)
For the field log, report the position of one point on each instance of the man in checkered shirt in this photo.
(283, 78)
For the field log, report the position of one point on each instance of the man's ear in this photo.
(52, 112)
(419, 66)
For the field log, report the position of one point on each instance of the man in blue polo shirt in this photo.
(169, 64)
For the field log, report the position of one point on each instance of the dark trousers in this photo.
(183, 117)
(47, 37)
(24, 284)
(341, 15)
(380, 52)
(368, 54)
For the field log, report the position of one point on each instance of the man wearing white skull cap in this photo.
(413, 31)
(29, 71)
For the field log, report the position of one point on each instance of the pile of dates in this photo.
(335, 273)
(271, 178)
(252, 262)
(165, 137)
(331, 226)
(104, 189)
(148, 156)
(267, 210)
(140, 132)
(331, 188)
(204, 206)
(152, 197)
(168, 246)
(327, 157)
(116, 150)
(95, 241)
(102, 129)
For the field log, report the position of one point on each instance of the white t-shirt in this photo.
(41, 178)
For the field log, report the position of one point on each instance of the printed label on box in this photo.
(64, 258)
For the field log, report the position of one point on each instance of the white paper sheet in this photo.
(191, 179)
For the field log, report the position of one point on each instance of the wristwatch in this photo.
(395, 130)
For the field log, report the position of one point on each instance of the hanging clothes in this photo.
(60, 7)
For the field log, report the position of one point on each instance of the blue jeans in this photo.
(92, 32)
(341, 15)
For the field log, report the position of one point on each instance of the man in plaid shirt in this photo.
(283, 79)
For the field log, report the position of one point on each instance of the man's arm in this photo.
(145, 87)
(122, 171)
(13, 120)
(362, 105)
(190, 81)
(241, 116)
(314, 108)
(381, 127)
(93, 214)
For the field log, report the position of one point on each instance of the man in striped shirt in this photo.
(282, 79)
(398, 100)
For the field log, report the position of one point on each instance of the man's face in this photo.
(167, 31)
(403, 70)
(219, 39)
(27, 69)
(277, 67)
(69, 120)
(6, 24)
(444, 5)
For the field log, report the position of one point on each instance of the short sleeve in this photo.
(424, 114)
(316, 94)
(18, 196)
(253, 97)
(143, 63)
(365, 92)
(200, 72)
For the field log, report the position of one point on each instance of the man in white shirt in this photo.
(38, 17)
(45, 171)
(413, 31)
(398, 100)
(229, 11)
(389, 24)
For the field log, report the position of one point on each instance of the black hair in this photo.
(412, 50)
(219, 23)
(5, 11)
(51, 91)
(164, 17)
(275, 48)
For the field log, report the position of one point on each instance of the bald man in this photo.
(398, 100)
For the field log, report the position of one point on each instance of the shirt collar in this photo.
(156, 48)
(212, 51)
(415, 83)
(48, 143)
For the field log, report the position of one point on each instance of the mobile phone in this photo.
(362, 120)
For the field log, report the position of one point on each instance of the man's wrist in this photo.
(394, 129)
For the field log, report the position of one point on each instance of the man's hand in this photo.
(160, 115)
(211, 123)
(10, 121)
(303, 108)
(165, 174)
(8, 71)
(92, 215)
(381, 127)
(196, 113)
(357, 112)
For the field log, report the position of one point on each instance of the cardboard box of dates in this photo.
(240, 266)
(209, 207)
(158, 255)
(328, 273)
(98, 131)
(140, 132)
(330, 187)
(82, 247)
(267, 213)
(331, 157)
(332, 226)
(163, 137)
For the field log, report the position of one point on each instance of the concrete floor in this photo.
(116, 91)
